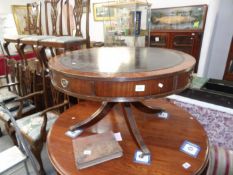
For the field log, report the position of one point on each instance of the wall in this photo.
(7, 25)
(5, 6)
(220, 42)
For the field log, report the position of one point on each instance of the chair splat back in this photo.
(78, 14)
(53, 13)
(34, 18)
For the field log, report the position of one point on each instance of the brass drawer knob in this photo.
(64, 83)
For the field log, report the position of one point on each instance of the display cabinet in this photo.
(128, 23)
(179, 28)
(228, 75)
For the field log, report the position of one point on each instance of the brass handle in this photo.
(64, 83)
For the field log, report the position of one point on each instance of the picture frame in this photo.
(102, 13)
(179, 18)
(20, 17)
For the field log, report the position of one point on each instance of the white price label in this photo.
(87, 152)
(140, 88)
(186, 165)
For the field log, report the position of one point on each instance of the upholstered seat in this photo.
(33, 39)
(31, 125)
(7, 96)
(14, 38)
(62, 41)
(4, 117)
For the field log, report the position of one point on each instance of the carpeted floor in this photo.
(218, 124)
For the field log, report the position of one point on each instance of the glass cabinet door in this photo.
(183, 43)
(159, 40)
(129, 25)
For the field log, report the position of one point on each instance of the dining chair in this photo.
(53, 26)
(9, 79)
(16, 156)
(34, 28)
(26, 76)
(68, 43)
(34, 127)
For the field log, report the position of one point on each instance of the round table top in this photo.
(121, 62)
(163, 137)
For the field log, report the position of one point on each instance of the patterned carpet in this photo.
(218, 125)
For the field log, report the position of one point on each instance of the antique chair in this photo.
(51, 30)
(9, 80)
(12, 159)
(68, 42)
(26, 76)
(34, 28)
(34, 127)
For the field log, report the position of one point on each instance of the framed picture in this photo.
(20, 17)
(179, 18)
(102, 12)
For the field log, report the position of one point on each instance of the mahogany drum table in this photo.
(162, 136)
(121, 74)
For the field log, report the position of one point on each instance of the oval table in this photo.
(121, 74)
(162, 136)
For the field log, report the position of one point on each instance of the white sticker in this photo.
(160, 85)
(87, 152)
(186, 165)
(163, 115)
(73, 134)
(157, 39)
(190, 148)
(118, 136)
(140, 88)
(138, 158)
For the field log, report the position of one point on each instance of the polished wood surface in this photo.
(162, 136)
(112, 74)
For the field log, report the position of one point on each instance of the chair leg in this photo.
(0, 132)
(26, 167)
(11, 132)
(36, 149)
(5, 45)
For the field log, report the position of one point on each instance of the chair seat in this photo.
(7, 96)
(27, 108)
(33, 39)
(62, 41)
(10, 158)
(14, 38)
(31, 125)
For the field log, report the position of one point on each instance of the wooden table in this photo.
(121, 74)
(162, 136)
